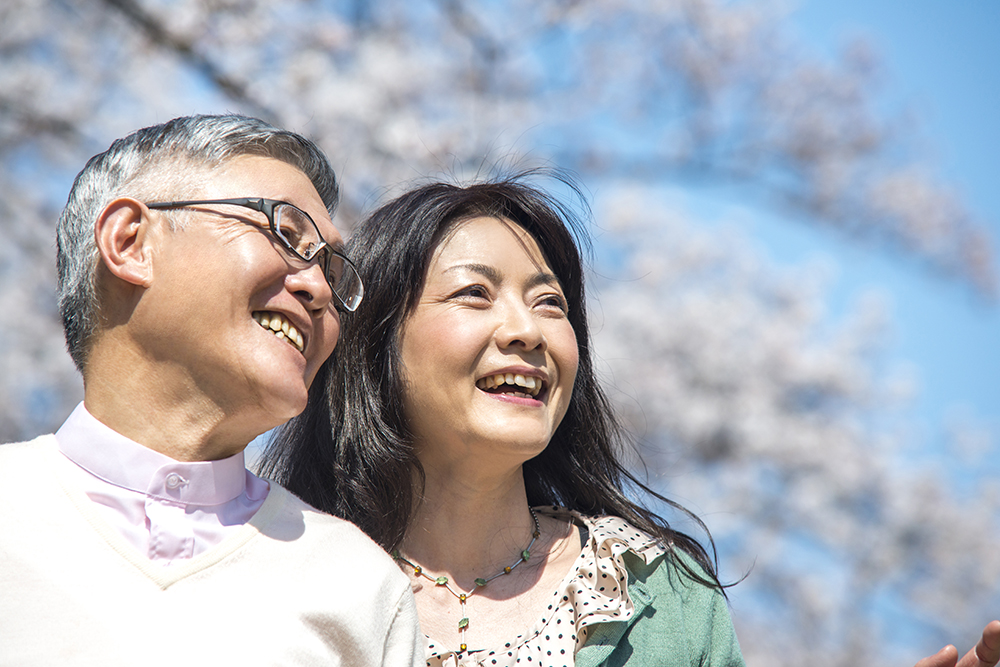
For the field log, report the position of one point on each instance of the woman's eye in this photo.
(554, 301)
(474, 291)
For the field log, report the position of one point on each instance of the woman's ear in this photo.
(123, 240)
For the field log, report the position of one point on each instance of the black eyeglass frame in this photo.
(267, 206)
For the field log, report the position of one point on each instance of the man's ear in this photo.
(123, 238)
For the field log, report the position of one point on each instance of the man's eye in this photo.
(293, 226)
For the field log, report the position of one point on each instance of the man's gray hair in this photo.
(155, 163)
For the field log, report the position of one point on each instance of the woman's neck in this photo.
(466, 527)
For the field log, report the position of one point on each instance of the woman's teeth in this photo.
(280, 327)
(533, 385)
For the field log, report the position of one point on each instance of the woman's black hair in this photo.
(350, 452)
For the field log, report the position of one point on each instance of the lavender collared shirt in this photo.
(168, 510)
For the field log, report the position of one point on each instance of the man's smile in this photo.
(279, 325)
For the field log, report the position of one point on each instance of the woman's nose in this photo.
(519, 328)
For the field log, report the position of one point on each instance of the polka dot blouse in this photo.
(594, 591)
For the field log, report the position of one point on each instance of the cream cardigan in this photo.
(293, 587)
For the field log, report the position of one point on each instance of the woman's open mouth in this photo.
(512, 384)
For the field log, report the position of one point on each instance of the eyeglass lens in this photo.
(299, 232)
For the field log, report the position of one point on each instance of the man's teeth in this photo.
(280, 327)
(532, 384)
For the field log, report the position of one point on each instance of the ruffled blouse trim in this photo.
(594, 591)
(601, 571)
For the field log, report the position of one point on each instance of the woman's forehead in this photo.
(483, 237)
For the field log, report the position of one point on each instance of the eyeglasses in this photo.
(298, 234)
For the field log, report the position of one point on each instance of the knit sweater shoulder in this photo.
(292, 587)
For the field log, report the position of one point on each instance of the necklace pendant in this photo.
(464, 623)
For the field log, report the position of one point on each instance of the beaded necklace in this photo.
(463, 624)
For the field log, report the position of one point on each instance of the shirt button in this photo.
(174, 480)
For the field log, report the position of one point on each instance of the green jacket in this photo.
(677, 623)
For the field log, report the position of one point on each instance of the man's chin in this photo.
(284, 403)
(285, 415)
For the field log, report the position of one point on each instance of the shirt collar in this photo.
(118, 460)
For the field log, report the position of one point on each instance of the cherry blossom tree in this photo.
(786, 434)
(777, 421)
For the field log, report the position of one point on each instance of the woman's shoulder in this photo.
(642, 554)
(610, 535)
(691, 617)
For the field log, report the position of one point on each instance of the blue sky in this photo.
(942, 61)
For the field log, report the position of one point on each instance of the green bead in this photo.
(525, 555)
(480, 582)
(395, 554)
(463, 624)
(441, 581)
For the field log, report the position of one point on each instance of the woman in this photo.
(462, 395)
(461, 426)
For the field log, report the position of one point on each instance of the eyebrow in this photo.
(493, 274)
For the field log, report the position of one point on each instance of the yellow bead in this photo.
(506, 570)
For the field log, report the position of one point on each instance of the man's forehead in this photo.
(270, 178)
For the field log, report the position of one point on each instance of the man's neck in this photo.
(182, 433)
(164, 412)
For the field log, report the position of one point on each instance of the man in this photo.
(200, 281)
(986, 653)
